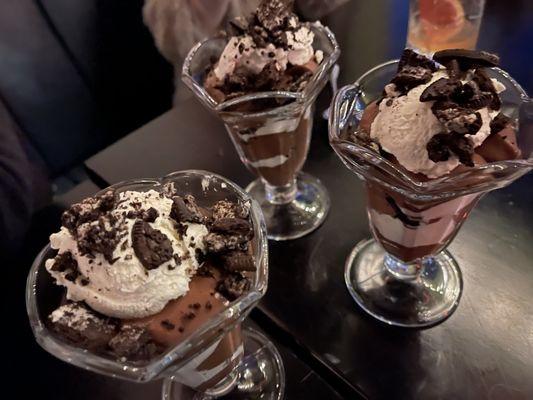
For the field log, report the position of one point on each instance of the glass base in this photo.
(299, 217)
(260, 375)
(426, 300)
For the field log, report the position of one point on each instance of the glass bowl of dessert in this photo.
(262, 80)
(152, 279)
(429, 137)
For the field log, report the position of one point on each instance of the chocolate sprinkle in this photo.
(167, 325)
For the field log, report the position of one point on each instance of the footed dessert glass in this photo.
(404, 276)
(181, 365)
(271, 132)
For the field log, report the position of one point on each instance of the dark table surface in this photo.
(485, 350)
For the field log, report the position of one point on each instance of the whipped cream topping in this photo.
(405, 125)
(242, 53)
(123, 287)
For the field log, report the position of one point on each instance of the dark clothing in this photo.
(22, 184)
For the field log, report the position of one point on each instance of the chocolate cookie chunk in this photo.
(239, 261)
(219, 243)
(233, 286)
(81, 326)
(438, 149)
(88, 210)
(481, 100)
(64, 262)
(101, 236)
(413, 59)
(410, 77)
(185, 210)
(457, 119)
(499, 122)
(464, 123)
(151, 247)
(134, 343)
(232, 226)
(454, 70)
(442, 145)
(463, 93)
(441, 89)
(463, 148)
(272, 14)
(467, 59)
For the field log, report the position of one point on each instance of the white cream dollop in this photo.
(125, 289)
(405, 127)
(242, 52)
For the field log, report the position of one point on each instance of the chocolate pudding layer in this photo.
(436, 118)
(144, 271)
(275, 150)
(411, 230)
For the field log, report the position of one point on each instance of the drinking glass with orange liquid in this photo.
(444, 24)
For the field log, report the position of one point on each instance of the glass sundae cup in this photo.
(218, 358)
(404, 276)
(271, 131)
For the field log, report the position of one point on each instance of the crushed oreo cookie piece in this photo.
(481, 100)
(150, 215)
(413, 59)
(100, 236)
(464, 123)
(218, 243)
(454, 70)
(88, 210)
(438, 149)
(81, 326)
(226, 209)
(239, 261)
(233, 286)
(410, 77)
(467, 59)
(441, 89)
(151, 247)
(134, 343)
(185, 210)
(499, 122)
(273, 14)
(238, 26)
(64, 262)
(232, 226)
(463, 148)
(442, 145)
(463, 93)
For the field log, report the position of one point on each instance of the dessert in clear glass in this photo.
(152, 279)
(428, 140)
(262, 80)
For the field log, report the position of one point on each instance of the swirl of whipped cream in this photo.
(241, 52)
(123, 287)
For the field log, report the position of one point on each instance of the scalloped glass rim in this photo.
(304, 96)
(343, 111)
(176, 356)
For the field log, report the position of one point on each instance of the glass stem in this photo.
(400, 270)
(222, 388)
(281, 194)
